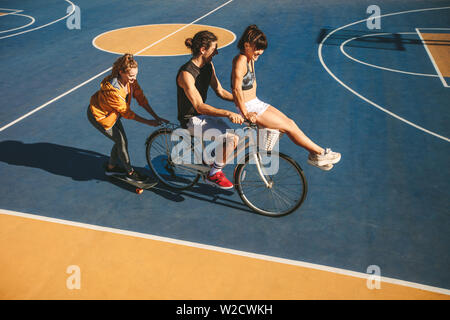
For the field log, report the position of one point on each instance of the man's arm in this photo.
(217, 87)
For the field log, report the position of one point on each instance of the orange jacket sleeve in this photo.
(138, 94)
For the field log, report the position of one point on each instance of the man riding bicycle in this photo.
(193, 81)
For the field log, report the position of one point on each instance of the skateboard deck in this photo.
(140, 186)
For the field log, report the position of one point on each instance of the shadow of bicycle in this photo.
(85, 165)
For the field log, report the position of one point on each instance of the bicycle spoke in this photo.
(275, 200)
(159, 147)
(252, 189)
(279, 196)
(287, 191)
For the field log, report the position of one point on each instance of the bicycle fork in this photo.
(257, 158)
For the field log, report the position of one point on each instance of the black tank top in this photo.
(202, 78)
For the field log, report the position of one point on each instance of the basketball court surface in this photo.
(372, 85)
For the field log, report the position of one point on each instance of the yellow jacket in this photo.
(112, 101)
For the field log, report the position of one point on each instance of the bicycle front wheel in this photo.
(158, 152)
(277, 188)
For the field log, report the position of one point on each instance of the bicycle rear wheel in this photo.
(287, 185)
(158, 152)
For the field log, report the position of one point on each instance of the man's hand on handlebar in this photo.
(236, 118)
(251, 116)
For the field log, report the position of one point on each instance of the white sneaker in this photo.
(326, 158)
(326, 167)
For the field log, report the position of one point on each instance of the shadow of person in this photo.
(78, 164)
(84, 165)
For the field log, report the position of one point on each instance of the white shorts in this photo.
(203, 123)
(256, 105)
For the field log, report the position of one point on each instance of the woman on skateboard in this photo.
(251, 45)
(111, 103)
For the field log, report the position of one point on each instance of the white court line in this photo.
(434, 28)
(226, 250)
(380, 67)
(184, 27)
(319, 52)
(43, 26)
(107, 70)
(21, 27)
(436, 67)
(13, 11)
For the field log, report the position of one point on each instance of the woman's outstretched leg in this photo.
(272, 118)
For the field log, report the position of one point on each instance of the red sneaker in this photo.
(219, 180)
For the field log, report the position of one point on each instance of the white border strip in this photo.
(43, 26)
(434, 28)
(319, 53)
(436, 67)
(225, 250)
(160, 24)
(99, 74)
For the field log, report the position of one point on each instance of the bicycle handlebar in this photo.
(174, 125)
(250, 124)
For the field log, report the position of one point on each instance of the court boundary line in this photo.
(43, 26)
(235, 252)
(436, 67)
(9, 13)
(103, 72)
(392, 114)
(14, 10)
(21, 27)
(377, 66)
(159, 24)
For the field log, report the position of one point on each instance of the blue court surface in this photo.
(378, 96)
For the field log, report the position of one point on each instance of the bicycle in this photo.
(268, 193)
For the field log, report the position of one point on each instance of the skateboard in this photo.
(140, 186)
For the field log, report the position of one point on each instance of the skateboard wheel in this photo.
(139, 190)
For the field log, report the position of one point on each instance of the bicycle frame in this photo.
(247, 143)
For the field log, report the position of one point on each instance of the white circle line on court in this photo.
(226, 250)
(12, 11)
(380, 67)
(43, 26)
(21, 27)
(105, 71)
(319, 52)
(159, 24)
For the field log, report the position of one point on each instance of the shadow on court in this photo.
(370, 39)
(78, 164)
(84, 165)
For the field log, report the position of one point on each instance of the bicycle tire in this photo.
(157, 151)
(259, 199)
